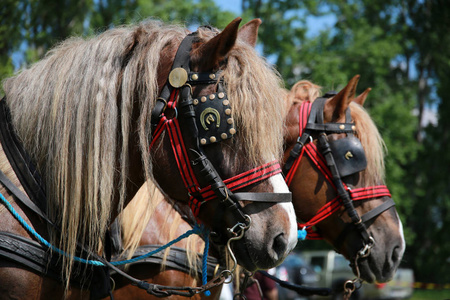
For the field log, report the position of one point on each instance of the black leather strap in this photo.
(378, 210)
(364, 218)
(19, 159)
(23, 198)
(28, 253)
(176, 259)
(264, 197)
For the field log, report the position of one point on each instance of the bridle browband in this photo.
(205, 121)
(335, 159)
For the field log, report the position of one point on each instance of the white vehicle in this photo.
(333, 270)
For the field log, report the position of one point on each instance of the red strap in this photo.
(319, 161)
(187, 174)
(238, 182)
(332, 206)
(178, 147)
(305, 108)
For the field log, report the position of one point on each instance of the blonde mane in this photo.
(366, 130)
(72, 111)
(136, 216)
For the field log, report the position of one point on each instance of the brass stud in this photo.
(232, 131)
(353, 127)
(224, 136)
(194, 76)
(230, 121)
(203, 99)
(203, 141)
(195, 101)
(212, 96)
(342, 127)
(226, 102)
(221, 95)
(212, 76)
(228, 111)
(212, 139)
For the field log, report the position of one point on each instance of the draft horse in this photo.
(317, 203)
(86, 126)
(334, 166)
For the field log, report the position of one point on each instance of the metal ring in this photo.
(352, 284)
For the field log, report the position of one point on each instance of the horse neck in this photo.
(9, 223)
(7, 169)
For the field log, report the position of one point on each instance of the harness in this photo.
(336, 159)
(26, 252)
(200, 122)
(201, 180)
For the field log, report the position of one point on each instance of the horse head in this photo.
(336, 154)
(229, 127)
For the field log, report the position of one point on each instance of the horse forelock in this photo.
(255, 92)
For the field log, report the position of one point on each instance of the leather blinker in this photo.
(348, 155)
(214, 118)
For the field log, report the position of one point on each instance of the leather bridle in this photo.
(194, 116)
(335, 164)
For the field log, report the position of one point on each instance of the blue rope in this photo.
(205, 261)
(197, 229)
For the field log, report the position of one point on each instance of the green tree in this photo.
(400, 48)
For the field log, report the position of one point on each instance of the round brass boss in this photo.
(178, 77)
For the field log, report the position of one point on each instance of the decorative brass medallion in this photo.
(207, 117)
(178, 77)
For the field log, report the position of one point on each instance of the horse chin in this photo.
(378, 267)
(255, 258)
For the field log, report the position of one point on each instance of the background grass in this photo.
(431, 295)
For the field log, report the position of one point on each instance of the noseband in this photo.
(335, 159)
(206, 120)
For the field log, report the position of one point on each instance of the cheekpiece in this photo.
(213, 117)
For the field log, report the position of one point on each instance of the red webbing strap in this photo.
(187, 174)
(377, 191)
(163, 120)
(331, 207)
(238, 182)
(176, 141)
(305, 108)
(318, 159)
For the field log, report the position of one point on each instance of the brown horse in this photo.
(312, 190)
(315, 192)
(82, 118)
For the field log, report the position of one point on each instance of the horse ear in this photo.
(362, 98)
(214, 51)
(249, 32)
(341, 101)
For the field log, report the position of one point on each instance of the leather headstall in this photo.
(336, 159)
(204, 121)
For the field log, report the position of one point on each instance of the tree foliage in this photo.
(400, 48)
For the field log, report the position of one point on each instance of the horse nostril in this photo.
(397, 254)
(279, 245)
